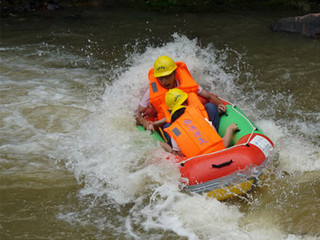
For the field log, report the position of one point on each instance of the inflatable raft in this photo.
(232, 171)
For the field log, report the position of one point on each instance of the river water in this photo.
(74, 166)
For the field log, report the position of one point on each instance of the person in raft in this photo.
(191, 132)
(166, 75)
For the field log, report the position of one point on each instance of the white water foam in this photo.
(111, 158)
(101, 147)
(38, 105)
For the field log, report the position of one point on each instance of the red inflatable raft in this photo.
(234, 170)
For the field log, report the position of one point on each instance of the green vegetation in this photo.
(219, 5)
(216, 5)
(7, 6)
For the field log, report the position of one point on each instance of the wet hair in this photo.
(177, 114)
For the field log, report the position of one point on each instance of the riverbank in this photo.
(15, 8)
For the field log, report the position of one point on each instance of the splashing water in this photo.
(128, 188)
(117, 163)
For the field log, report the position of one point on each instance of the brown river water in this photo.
(74, 166)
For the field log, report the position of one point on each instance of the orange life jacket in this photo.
(157, 92)
(193, 134)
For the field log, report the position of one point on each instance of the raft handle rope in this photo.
(222, 164)
(242, 144)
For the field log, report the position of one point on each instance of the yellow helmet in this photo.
(164, 66)
(175, 97)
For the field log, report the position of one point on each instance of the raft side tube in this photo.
(200, 169)
(235, 115)
(155, 135)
